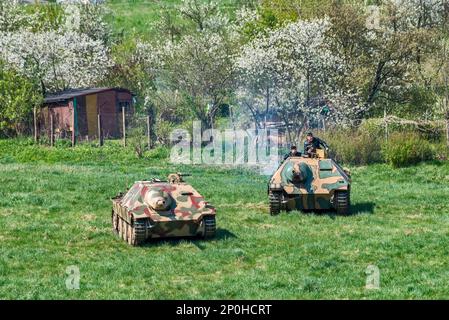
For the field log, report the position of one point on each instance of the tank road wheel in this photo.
(136, 233)
(275, 202)
(115, 222)
(124, 229)
(119, 227)
(209, 227)
(342, 202)
(140, 232)
(131, 237)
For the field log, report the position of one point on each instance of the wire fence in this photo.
(51, 125)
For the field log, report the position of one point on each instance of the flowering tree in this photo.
(418, 13)
(57, 60)
(200, 67)
(292, 72)
(387, 53)
(69, 55)
(12, 15)
(18, 96)
(199, 12)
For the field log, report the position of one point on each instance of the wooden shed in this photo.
(81, 111)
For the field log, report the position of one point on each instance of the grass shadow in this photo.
(362, 208)
(357, 208)
(220, 235)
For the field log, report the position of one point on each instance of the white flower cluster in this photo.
(12, 15)
(419, 13)
(292, 70)
(246, 15)
(59, 59)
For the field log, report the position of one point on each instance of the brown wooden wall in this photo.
(107, 108)
(107, 105)
(82, 116)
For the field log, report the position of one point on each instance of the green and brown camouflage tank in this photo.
(311, 182)
(159, 209)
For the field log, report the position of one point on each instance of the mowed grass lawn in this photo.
(55, 215)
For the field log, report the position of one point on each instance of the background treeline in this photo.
(371, 76)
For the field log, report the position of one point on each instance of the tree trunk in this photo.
(266, 108)
(255, 114)
(36, 132)
(301, 128)
(124, 126)
(446, 116)
(289, 133)
(149, 132)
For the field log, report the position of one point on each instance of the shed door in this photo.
(91, 111)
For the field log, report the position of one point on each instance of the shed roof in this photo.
(72, 93)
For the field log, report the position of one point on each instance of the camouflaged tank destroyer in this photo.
(310, 182)
(158, 209)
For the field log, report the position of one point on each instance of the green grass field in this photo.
(138, 17)
(55, 212)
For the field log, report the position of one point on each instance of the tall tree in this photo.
(17, 98)
(68, 51)
(200, 67)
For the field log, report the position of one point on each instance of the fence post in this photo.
(447, 127)
(36, 134)
(445, 103)
(100, 135)
(73, 124)
(386, 124)
(124, 126)
(149, 131)
(52, 130)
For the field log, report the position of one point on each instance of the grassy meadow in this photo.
(55, 213)
(139, 17)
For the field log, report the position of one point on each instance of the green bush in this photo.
(404, 149)
(25, 151)
(163, 131)
(161, 153)
(17, 99)
(441, 151)
(354, 147)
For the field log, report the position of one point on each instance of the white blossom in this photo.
(13, 15)
(292, 71)
(58, 56)
(246, 15)
(418, 13)
(59, 60)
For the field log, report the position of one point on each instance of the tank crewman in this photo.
(313, 143)
(293, 153)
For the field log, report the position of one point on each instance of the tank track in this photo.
(134, 234)
(342, 202)
(139, 232)
(275, 202)
(209, 227)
